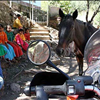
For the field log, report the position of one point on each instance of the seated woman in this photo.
(20, 39)
(10, 41)
(3, 42)
(27, 35)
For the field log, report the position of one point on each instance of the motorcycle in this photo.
(46, 85)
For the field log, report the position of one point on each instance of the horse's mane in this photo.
(80, 21)
(87, 30)
(91, 28)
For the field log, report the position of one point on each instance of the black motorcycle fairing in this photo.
(48, 78)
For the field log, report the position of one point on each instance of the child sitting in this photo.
(27, 35)
(20, 39)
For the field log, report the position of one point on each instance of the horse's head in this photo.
(66, 30)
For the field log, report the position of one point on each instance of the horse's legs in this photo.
(80, 63)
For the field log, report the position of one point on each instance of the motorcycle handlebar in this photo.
(70, 87)
(59, 89)
(40, 94)
(44, 91)
(47, 89)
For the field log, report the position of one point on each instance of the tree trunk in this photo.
(87, 13)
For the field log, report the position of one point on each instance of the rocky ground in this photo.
(18, 76)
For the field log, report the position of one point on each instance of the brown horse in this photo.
(71, 29)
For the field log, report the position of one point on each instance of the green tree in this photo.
(81, 6)
(64, 5)
(94, 7)
(44, 5)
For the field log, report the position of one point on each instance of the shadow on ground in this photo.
(23, 72)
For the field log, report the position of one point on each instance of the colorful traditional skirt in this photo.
(2, 51)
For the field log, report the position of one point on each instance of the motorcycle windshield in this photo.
(92, 53)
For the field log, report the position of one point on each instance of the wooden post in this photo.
(48, 15)
(20, 5)
(30, 9)
(32, 12)
(10, 3)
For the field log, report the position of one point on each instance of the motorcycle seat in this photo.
(86, 79)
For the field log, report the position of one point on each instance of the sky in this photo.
(37, 3)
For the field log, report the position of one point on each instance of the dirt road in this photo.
(22, 75)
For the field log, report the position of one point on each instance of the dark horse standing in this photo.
(71, 29)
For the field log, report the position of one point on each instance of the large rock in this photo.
(23, 98)
(54, 58)
(54, 34)
(15, 87)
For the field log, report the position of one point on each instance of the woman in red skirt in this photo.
(16, 47)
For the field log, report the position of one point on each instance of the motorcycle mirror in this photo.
(38, 52)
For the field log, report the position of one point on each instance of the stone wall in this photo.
(6, 14)
(38, 14)
(53, 17)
